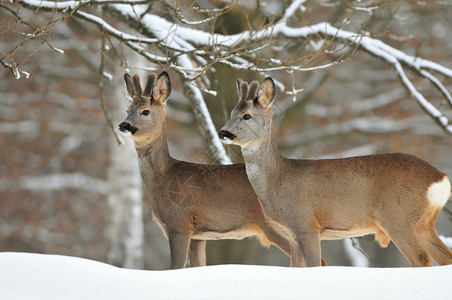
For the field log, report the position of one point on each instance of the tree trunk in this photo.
(125, 230)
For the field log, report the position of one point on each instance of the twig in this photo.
(101, 89)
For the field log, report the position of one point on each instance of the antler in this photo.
(247, 91)
(252, 92)
(129, 85)
(134, 86)
(242, 89)
(149, 84)
(137, 85)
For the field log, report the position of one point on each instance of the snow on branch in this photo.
(163, 37)
(164, 42)
(213, 14)
(394, 57)
(376, 47)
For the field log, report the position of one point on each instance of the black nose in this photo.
(225, 134)
(124, 127)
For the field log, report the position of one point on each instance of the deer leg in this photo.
(197, 253)
(413, 251)
(179, 243)
(406, 241)
(296, 256)
(287, 245)
(429, 239)
(309, 243)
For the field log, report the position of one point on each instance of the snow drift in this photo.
(40, 276)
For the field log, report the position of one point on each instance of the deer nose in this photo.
(224, 135)
(124, 127)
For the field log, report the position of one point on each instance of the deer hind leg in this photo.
(435, 247)
(381, 238)
(197, 253)
(406, 241)
(179, 243)
(427, 236)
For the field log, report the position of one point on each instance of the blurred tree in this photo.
(125, 195)
(316, 52)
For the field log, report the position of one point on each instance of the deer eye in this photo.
(246, 116)
(145, 112)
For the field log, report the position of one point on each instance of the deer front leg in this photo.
(309, 243)
(197, 253)
(179, 243)
(296, 256)
(288, 246)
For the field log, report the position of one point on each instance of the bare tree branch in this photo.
(200, 50)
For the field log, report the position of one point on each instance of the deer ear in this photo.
(266, 93)
(129, 85)
(162, 88)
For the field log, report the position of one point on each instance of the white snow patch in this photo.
(446, 240)
(61, 51)
(294, 91)
(291, 9)
(107, 75)
(43, 277)
(27, 75)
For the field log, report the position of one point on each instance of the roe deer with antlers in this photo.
(191, 202)
(396, 196)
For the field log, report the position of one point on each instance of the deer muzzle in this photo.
(226, 137)
(126, 127)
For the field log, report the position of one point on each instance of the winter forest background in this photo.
(375, 78)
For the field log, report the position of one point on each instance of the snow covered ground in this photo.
(40, 276)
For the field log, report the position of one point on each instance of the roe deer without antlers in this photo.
(191, 202)
(396, 196)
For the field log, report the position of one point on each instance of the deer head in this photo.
(251, 119)
(145, 116)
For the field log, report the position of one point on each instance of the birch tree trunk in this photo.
(125, 230)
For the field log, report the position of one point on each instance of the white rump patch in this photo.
(439, 192)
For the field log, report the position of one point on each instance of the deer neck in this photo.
(262, 159)
(153, 155)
